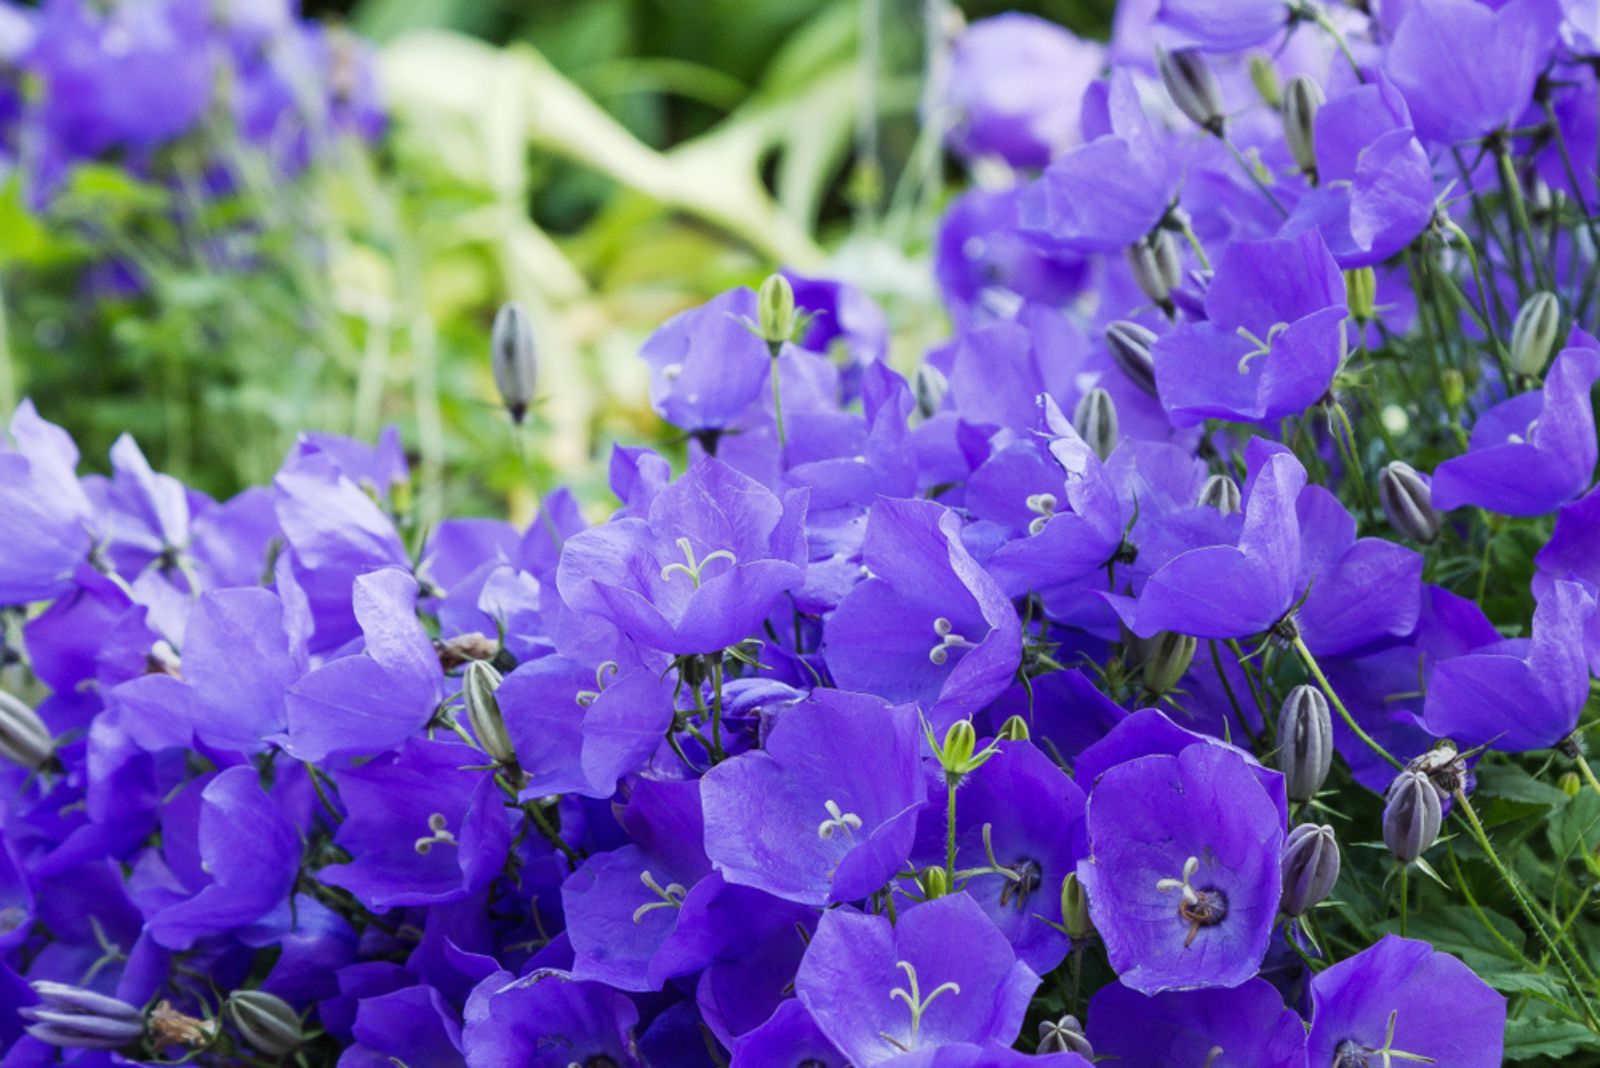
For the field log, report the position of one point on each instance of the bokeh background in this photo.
(607, 162)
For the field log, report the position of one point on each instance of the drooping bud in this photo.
(1264, 76)
(1361, 293)
(1310, 868)
(512, 358)
(1193, 87)
(1169, 659)
(483, 711)
(1095, 420)
(1014, 729)
(775, 308)
(1407, 500)
(1300, 103)
(24, 739)
(1075, 909)
(1222, 493)
(267, 1023)
(75, 1018)
(1064, 1036)
(1305, 742)
(1411, 816)
(1130, 345)
(930, 385)
(1535, 333)
(1157, 268)
(934, 882)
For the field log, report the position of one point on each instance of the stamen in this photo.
(1198, 907)
(948, 640)
(693, 568)
(1262, 348)
(608, 669)
(837, 821)
(1045, 504)
(915, 1002)
(671, 896)
(440, 836)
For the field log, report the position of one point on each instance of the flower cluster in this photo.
(981, 716)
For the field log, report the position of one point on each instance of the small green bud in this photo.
(934, 882)
(1300, 104)
(24, 739)
(1535, 334)
(1014, 729)
(483, 711)
(960, 741)
(1170, 656)
(1570, 784)
(1361, 294)
(1264, 76)
(512, 359)
(1075, 909)
(267, 1023)
(775, 306)
(1452, 388)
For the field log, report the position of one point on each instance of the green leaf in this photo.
(1576, 828)
(1512, 783)
(1526, 1039)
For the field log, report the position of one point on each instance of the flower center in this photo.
(1044, 505)
(1353, 1054)
(440, 835)
(838, 821)
(1017, 890)
(1197, 907)
(948, 640)
(1262, 346)
(671, 896)
(692, 567)
(915, 1002)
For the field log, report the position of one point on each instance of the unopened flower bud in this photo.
(1130, 345)
(1193, 87)
(1535, 334)
(1095, 420)
(1305, 736)
(267, 1023)
(775, 307)
(959, 743)
(24, 739)
(930, 385)
(1222, 493)
(1264, 76)
(1157, 268)
(1452, 388)
(934, 882)
(1407, 500)
(483, 711)
(1361, 293)
(1411, 816)
(1014, 729)
(1169, 659)
(1300, 103)
(1310, 868)
(1064, 1036)
(75, 1018)
(1075, 909)
(1570, 784)
(513, 359)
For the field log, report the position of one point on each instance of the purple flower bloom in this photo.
(45, 517)
(706, 366)
(1221, 25)
(826, 811)
(942, 975)
(547, 1019)
(1404, 997)
(1182, 876)
(1248, 1024)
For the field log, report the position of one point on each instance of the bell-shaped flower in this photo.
(548, 1019)
(942, 975)
(929, 625)
(1182, 876)
(1273, 337)
(706, 365)
(1402, 1001)
(826, 810)
(1248, 1024)
(1221, 25)
(46, 520)
(701, 573)
(1532, 453)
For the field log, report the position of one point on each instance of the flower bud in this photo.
(1193, 87)
(1570, 784)
(1264, 76)
(1305, 742)
(1535, 333)
(959, 743)
(1310, 868)
(1222, 493)
(512, 358)
(24, 739)
(1014, 729)
(1130, 346)
(483, 711)
(1157, 268)
(1407, 500)
(1095, 420)
(1411, 816)
(934, 882)
(1300, 103)
(1452, 388)
(267, 1023)
(1075, 909)
(1064, 1036)
(1169, 659)
(75, 1018)
(930, 385)
(775, 307)
(1361, 293)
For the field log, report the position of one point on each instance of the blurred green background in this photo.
(607, 162)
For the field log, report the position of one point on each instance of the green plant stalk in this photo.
(1315, 669)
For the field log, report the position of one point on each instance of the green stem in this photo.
(777, 401)
(950, 841)
(551, 835)
(1310, 662)
(1587, 772)
(1255, 177)
(1405, 871)
(1512, 187)
(1194, 243)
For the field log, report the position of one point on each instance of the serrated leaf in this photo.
(1526, 1039)
(1512, 783)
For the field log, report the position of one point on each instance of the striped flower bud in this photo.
(1305, 736)
(1075, 909)
(1095, 420)
(267, 1023)
(1310, 868)
(1064, 1036)
(1157, 267)
(929, 385)
(1169, 659)
(513, 360)
(1407, 500)
(1535, 334)
(1130, 345)
(74, 1018)
(24, 739)
(483, 711)
(775, 309)
(1300, 103)
(1411, 816)
(1193, 87)
(1222, 493)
